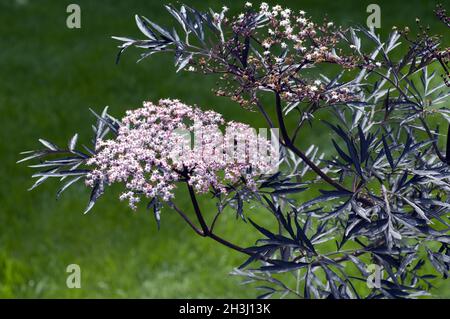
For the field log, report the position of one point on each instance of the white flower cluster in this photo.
(153, 150)
(282, 18)
(289, 28)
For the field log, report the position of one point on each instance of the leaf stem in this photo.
(290, 145)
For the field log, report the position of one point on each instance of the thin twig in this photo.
(264, 113)
(211, 228)
(433, 141)
(200, 218)
(186, 219)
(288, 143)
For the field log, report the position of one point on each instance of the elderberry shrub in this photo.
(376, 197)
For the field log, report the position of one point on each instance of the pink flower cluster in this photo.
(153, 150)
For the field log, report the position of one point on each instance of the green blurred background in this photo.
(50, 75)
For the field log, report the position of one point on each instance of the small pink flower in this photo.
(152, 152)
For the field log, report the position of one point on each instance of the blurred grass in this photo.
(50, 76)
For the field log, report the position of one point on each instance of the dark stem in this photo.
(206, 232)
(186, 219)
(216, 218)
(433, 142)
(233, 246)
(289, 144)
(200, 218)
(264, 113)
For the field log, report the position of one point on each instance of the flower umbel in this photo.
(152, 151)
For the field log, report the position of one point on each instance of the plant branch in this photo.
(186, 219)
(264, 113)
(289, 144)
(433, 142)
(215, 220)
(208, 233)
(200, 218)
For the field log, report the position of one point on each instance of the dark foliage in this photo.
(380, 193)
